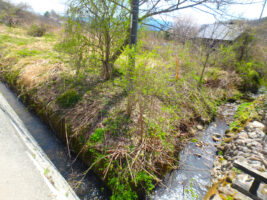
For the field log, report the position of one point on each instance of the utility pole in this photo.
(134, 22)
(132, 44)
(262, 10)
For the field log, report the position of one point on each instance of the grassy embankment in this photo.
(92, 111)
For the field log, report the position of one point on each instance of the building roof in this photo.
(220, 31)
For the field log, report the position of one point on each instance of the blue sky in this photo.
(249, 11)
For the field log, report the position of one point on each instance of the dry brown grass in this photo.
(38, 72)
(150, 138)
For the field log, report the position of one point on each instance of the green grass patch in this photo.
(49, 37)
(52, 56)
(11, 77)
(69, 98)
(116, 126)
(246, 112)
(27, 52)
(13, 40)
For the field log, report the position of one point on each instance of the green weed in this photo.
(118, 125)
(12, 77)
(69, 98)
(237, 171)
(46, 171)
(13, 40)
(27, 52)
(191, 191)
(194, 140)
(97, 135)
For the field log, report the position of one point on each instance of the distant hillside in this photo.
(21, 14)
(157, 25)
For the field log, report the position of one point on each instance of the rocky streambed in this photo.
(247, 146)
(193, 177)
(206, 163)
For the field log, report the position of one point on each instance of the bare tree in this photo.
(12, 15)
(102, 25)
(106, 22)
(151, 8)
(184, 28)
(212, 36)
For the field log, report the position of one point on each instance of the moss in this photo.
(246, 112)
(68, 99)
(235, 96)
(227, 140)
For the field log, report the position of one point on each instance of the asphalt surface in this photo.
(25, 171)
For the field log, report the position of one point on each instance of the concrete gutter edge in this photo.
(55, 181)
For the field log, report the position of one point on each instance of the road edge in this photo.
(52, 177)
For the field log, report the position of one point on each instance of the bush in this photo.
(37, 31)
(68, 99)
(250, 77)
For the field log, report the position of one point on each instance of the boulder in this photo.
(252, 135)
(200, 127)
(243, 135)
(255, 125)
(218, 135)
(215, 139)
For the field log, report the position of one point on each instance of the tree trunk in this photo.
(133, 41)
(108, 70)
(203, 70)
(108, 65)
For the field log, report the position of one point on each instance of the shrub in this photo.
(68, 99)
(250, 77)
(37, 31)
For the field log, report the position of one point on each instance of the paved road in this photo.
(25, 171)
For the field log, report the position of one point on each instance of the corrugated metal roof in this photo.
(220, 31)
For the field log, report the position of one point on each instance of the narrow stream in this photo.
(90, 188)
(192, 180)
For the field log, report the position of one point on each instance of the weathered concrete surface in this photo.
(25, 171)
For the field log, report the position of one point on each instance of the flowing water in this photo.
(192, 180)
(90, 187)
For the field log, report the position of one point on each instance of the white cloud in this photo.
(40, 6)
(238, 11)
(249, 11)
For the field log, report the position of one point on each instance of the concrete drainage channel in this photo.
(59, 188)
(49, 154)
